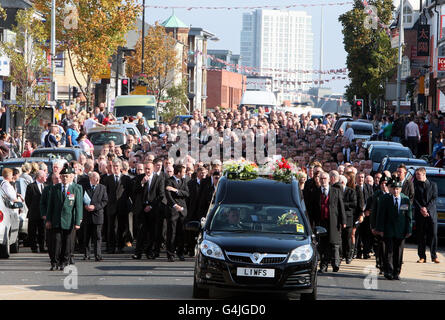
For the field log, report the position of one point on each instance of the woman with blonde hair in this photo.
(34, 169)
(26, 173)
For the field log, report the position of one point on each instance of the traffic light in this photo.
(132, 83)
(75, 92)
(358, 105)
(124, 87)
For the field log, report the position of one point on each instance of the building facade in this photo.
(279, 44)
(225, 88)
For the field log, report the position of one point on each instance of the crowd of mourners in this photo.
(138, 195)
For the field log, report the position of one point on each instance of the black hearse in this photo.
(256, 237)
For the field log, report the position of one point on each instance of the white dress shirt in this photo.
(412, 130)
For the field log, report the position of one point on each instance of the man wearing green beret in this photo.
(394, 224)
(64, 215)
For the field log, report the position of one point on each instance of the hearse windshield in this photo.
(258, 219)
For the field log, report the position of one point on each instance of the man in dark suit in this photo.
(195, 186)
(208, 189)
(394, 224)
(332, 217)
(350, 203)
(119, 187)
(64, 215)
(311, 194)
(94, 215)
(176, 191)
(164, 170)
(407, 185)
(151, 187)
(36, 225)
(364, 242)
(425, 214)
(372, 208)
(44, 201)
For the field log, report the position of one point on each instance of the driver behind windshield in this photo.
(233, 217)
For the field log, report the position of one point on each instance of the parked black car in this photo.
(376, 153)
(392, 163)
(256, 237)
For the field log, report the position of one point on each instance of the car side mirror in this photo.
(193, 226)
(320, 231)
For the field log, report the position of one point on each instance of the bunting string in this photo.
(290, 6)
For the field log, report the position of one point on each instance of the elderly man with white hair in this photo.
(95, 200)
(330, 215)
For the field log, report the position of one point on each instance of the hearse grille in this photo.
(256, 258)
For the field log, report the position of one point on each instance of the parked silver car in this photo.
(9, 226)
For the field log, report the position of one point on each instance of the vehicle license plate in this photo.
(255, 272)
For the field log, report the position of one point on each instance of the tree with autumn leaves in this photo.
(160, 65)
(28, 64)
(89, 31)
(370, 59)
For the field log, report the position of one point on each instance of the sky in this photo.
(226, 25)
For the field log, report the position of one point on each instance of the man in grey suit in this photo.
(94, 214)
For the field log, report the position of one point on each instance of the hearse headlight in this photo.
(212, 250)
(301, 254)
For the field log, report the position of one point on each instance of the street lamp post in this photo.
(399, 63)
(143, 36)
(53, 47)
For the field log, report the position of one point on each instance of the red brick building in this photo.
(224, 88)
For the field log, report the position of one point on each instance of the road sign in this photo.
(139, 90)
(440, 63)
(406, 70)
(402, 103)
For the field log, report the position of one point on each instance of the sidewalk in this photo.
(410, 269)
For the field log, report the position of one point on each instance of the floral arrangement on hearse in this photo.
(284, 170)
(240, 169)
(281, 170)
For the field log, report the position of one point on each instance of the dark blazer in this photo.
(179, 198)
(82, 179)
(426, 199)
(337, 215)
(65, 213)
(44, 199)
(362, 198)
(195, 191)
(350, 204)
(152, 197)
(392, 222)
(99, 199)
(32, 200)
(312, 194)
(207, 191)
(118, 194)
(408, 189)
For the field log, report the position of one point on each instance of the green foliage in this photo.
(370, 60)
(28, 63)
(177, 101)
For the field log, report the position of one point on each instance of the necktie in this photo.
(93, 187)
(41, 188)
(116, 178)
(63, 191)
(396, 203)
